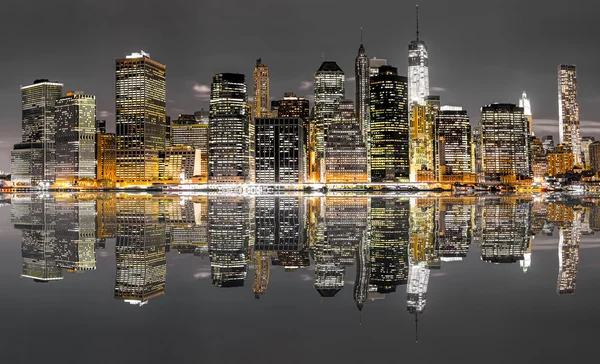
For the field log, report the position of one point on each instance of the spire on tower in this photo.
(417, 22)
(361, 35)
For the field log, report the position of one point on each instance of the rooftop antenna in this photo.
(361, 35)
(323, 56)
(416, 328)
(417, 22)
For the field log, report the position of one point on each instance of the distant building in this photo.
(568, 110)
(75, 117)
(228, 130)
(345, 149)
(595, 156)
(106, 159)
(361, 73)
(140, 116)
(191, 131)
(292, 106)
(280, 150)
(374, 65)
(505, 141)
(389, 126)
(182, 162)
(548, 143)
(34, 159)
(453, 138)
(525, 103)
(101, 126)
(539, 160)
(560, 161)
(586, 141)
(262, 105)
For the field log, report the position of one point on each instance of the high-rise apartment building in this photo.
(453, 138)
(75, 117)
(228, 130)
(34, 159)
(505, 141)
(568, 110)
(140, 116)
(525, 103)
(280, 150)
(418, 69)
(389, 126)
(262, 105)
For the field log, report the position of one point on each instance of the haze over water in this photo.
(127, 278)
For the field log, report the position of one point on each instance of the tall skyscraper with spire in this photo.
(418, 69)
(525, 103)
(262, 104)
(361, 71)
(568, 110)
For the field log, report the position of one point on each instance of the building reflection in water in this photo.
(391, 241)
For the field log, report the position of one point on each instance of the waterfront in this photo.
(169, 278)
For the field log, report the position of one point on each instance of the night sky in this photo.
(478, 53)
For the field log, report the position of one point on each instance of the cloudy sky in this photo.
(479, 53)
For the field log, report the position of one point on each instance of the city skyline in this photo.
(291, 68)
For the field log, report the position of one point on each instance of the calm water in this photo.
(107, 278)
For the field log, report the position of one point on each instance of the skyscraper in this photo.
(191, 131)
(586, 141)
(374, 64)
(75, 117)
(525, 103)
(422, 138)
(33, 160)
(106, 159)
(453, 137)
(418, 69)
(568, 110)
(280, 150)
(262, 105)
(228, 130)
(389, 126)
(361, 71)
(329, 91)
(505, 141)
(141, 99)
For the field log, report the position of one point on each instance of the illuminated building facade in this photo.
(374, 64)
(525, 103)
(539, 160)
(262, 105)
(548, 143)
(106, 159)
(228, 130)
(595, 156)
(560, 161)
(418, 70)
(586, 141)
(75, 117)
(292, 106)
(569, 132)
(568, 255)
(504, 141)
(279, 224)
(329, 91)
(140, 116)
(280, 150)
(192, 131)
(389, 144)
(454, 228)
(361, 73)
(453, 137)
(422, 138)
(345, 149)
(182, 162)
(34, 159)
(140, 250)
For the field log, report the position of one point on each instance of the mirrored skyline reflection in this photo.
(369, 252)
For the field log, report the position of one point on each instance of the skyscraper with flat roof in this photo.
(141, 99)
(569, 132)
(75, 117)
(34, 159)
(228, 130)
